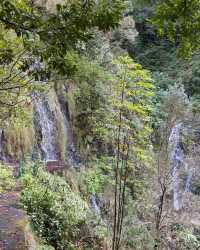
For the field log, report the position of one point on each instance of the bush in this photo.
(6, 179)
(58, 215)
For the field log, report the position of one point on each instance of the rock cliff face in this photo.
(48, 136)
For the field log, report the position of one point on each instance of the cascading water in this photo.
(188, 183)
(47, 127)
(48, 117)
(176, 159)
(53, 138)
(94, 205)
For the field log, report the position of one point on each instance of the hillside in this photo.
(99, 125)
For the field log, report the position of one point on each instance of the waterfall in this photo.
(176, 159)
(48, 117)
(47, 126)
(53, 131)
(94, 205)
(188, 183)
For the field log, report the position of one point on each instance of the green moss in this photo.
(20, 137)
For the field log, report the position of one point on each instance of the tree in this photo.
(35, 44)
(52, 35)
(16, 83)
(132, 104)
(179, 20)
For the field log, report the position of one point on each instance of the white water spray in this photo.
(47, 130)
(94, 204)
(176, 159)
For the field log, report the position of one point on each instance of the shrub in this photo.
(6, 179)
(93, 180)
(57, 214)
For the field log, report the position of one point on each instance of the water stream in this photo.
(188, 183)
(94, 204)
(47, 123)
(176, 159)
(47, 127)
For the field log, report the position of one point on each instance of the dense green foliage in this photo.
(6, 179)
(52, 35)
(16, 86)
(133, 106)
(159, 55)
(34, 42)
(91, 106)
(179, 21)
(57, 214)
